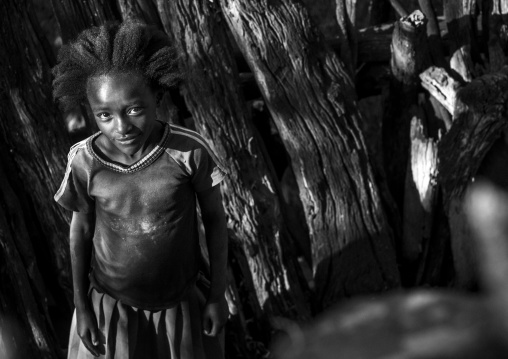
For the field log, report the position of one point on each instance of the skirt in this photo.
(126, 332)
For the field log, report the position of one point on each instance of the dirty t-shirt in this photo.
(146, 248)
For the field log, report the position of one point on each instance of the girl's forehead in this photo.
(117, 79)
(121, 83)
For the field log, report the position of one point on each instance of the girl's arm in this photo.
(81, 243)
(214, 222)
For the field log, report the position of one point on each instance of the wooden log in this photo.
(26, 329)
(250, 192)
(345, 11)
(75, 16)
(408, 60)
(32, 128)
(312, 103)
(140, 9)
(443, 87)
(424, 324)
(420, 194)
(460, 18)
(462, 152)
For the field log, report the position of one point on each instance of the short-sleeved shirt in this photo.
(146, 247)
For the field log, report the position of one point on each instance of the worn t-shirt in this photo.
(146, 248)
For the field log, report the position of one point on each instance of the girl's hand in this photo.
(215, 316)
(87, 330)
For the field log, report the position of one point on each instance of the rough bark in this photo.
(408, 59)
(460, 20)
(24, 320)
(346, 14)
(141, 9)
(75, 16)
(313, 105)
(250, 191)
(462, 152)
(31, 126)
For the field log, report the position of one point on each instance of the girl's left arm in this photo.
(214, 221)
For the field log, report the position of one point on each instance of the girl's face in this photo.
(124, 108)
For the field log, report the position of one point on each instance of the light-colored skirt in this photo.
(126, 332)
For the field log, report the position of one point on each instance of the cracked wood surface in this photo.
(250, 191)
(312, 101)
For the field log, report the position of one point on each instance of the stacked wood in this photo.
(213, 97)
(424, 324)
(312, 102)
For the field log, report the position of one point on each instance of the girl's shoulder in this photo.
(183, 140)
(79, 155)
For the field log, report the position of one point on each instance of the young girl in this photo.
(132, 188)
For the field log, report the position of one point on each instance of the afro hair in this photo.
(131, 46)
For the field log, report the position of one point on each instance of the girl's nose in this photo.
(123, 125)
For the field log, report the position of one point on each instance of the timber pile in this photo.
(424, 324)
(351, 206)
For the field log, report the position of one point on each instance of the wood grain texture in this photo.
(141, 9)
(345, 11)
(26, 329)
(250, 191)
(75, 16)
(462, 152)
(32, 128)
(461, 22)
(313, 104)
(408, 59)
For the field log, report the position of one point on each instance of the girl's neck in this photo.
(111, 153)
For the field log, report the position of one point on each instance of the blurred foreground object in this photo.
(425, 324)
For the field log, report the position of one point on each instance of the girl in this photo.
(132, 188)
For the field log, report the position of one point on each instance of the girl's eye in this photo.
(103, 115)
(134, 111)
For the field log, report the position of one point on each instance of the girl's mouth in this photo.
(127, 140)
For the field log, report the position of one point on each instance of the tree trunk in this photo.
(27, 331)
(461, 22)
(142, 9)
(31, 126)
(76, 16)
(462, 152)
(408, 60)
(313, 105)
(346, 14)
(250, 191)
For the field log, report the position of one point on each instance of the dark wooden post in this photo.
(312, 101)
(251, 194)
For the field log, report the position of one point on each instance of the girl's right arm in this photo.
(81, 243)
